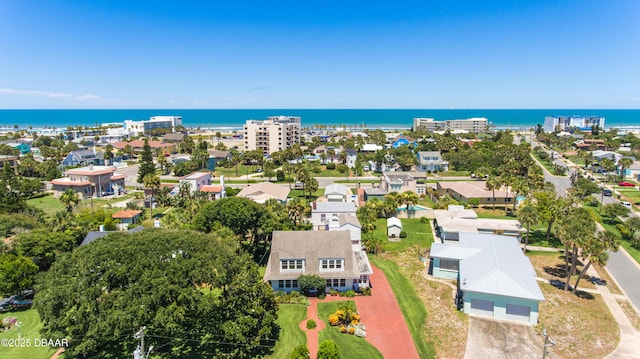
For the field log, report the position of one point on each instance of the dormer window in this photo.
(327, 265)
(292, 264)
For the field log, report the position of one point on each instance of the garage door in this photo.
(482, 307)
(518, 312)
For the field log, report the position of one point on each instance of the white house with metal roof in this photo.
(350, 223)
(449, 223)
(337, 192)
(495, 279)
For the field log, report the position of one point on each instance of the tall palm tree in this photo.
(152, 182)
(595, 250)
(624, 163)
(492, 184)
(528, 216)
(574, 228)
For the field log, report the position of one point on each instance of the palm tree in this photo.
(608, 166)
(595, 250)
(69, 199)
(574, 228)
(108, 153)
(492, 184)
(624, 163)
(296, 210)
(152, 182)
(528, 216)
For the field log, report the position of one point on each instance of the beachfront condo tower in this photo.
(475, 125)
(153, 123)
(561, 123)
(276, 133)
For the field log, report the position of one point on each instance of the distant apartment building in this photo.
(561, 123)
(276, 133)
(153, 123)
(12, 161)
(475, 125)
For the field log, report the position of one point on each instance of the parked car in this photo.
(607, 192)
(626, 184)
(626, 204)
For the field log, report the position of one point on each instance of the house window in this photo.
(335, 283)
(331, 264)
(323, 217)
(449, 264)
(292, 264)
(288, 283)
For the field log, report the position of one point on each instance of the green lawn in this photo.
(350, 346)
(546, 163)
(298, 193)
(49, 204)
(29, 330)
(231, 172)
(632, 195)
(418, 234)
(289, 316)
(411, 305)
(453, 174)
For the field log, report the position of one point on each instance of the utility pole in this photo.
(548, 342)
(139, 353)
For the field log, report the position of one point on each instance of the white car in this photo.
(626, 204)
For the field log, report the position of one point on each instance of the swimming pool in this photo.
(415, 207)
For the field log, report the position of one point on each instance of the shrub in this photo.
(366, 291)
(340, 314)
(333, 319)
(475, 202)
(328, 350)
(300, 352)
(342, 168)
(350, 293)
(333, 292)
(403, 234)
(309, 282)
(424, 220)
(279, 176)
(311, 324)
(331, 166)
(322, 295)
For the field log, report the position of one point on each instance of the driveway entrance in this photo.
(503, 340)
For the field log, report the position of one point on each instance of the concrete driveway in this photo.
(503, 340)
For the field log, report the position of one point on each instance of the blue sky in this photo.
(319, 54)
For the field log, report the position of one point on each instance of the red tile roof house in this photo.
(127, 216)
(89, 181)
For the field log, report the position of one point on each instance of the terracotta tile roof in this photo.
(68, 182)
(140, 144)
(211, 188)
(126, 213)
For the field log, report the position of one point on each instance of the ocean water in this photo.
(234, 119)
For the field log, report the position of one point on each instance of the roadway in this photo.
(623, 268)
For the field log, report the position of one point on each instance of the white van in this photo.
(626, 204)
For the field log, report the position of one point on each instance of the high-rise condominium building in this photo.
(476, 125)
(154, 122)
(276, 133)
(561, 123)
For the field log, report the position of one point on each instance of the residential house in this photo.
(196, 180)
(264, 191)
(128, 216)
(173, 137)
(164, 148)
(83, 158)
(600, 155)
(352, 155)
(213, 192)
(394, 227)
(464, 191)
(495, 279)
(404, 182)
(215, 157)
(90, 181)
(296, 253)
(322, 212)
(431, 161)
(93, 235)
(350, 223)
(22, 146)
(370, 147)
(587, 144)
(374, 192)
(336, 192)
(449, 223)
(12, 161)
(633, 171)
